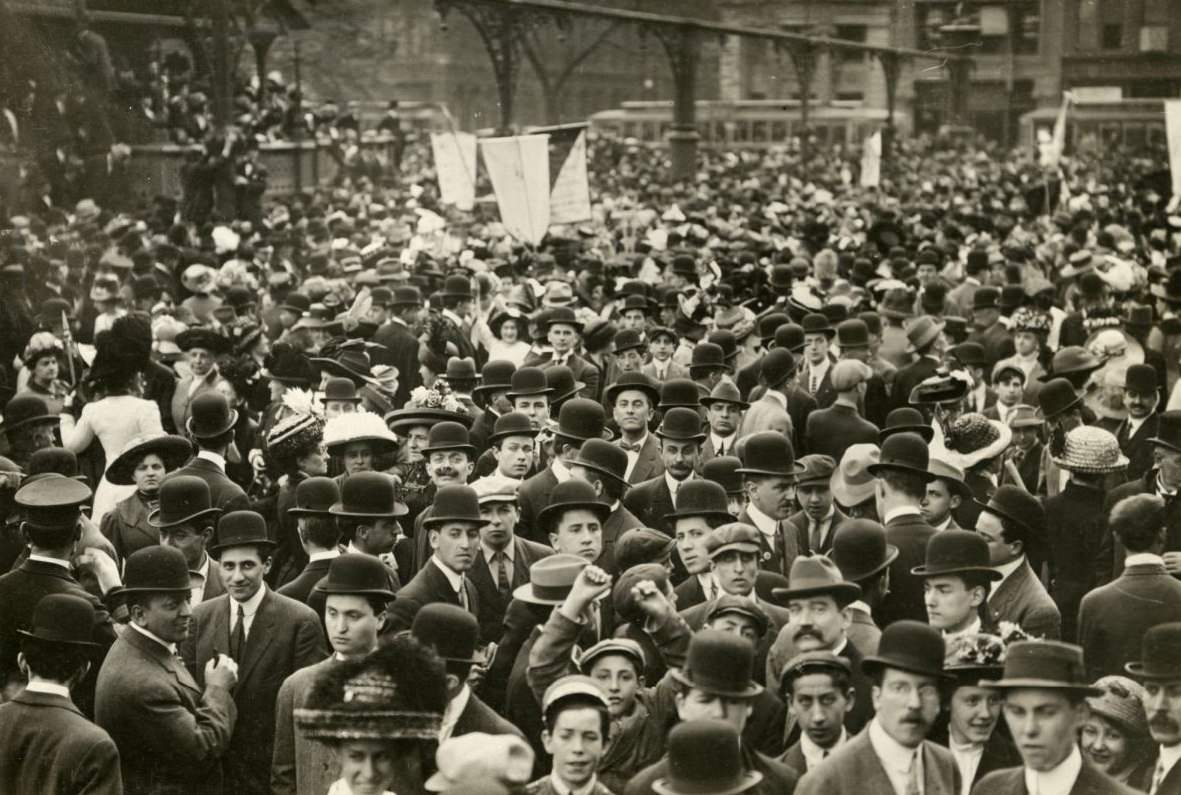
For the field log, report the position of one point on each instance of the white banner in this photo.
(519, 170)
(1173, 131)
(871, 161)
(455, 163)
(569, 187)
(1051, 151)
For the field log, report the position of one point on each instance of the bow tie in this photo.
(629, 447)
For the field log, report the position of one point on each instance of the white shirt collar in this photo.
(327, 554)
(1168, 756)
(972, 629)
(341, 787)
(718, 441)
(895, 757)
(209, 455)
(562, 788)
(813, 753)
(1058, 781)
(197, 590)
(147, 633)
(250, 606)
(1134, 424)
(561, 471)
(674, 484)
(452, 711)
(764, 523)
(48, 688)
(901, 510)
(944, 524)
(65, 564)
(454, 578)
(1143, 559)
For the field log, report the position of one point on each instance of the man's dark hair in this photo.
(47, 537)
(320, 530)
(577, 701)
(348, 526)
(376, 603)
(612, 488)
(840, 680)
(1012, 532)
(215, 442)
(1138, 521)
(54, 662)
(911, 484)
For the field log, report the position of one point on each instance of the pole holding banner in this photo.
(1173, 133)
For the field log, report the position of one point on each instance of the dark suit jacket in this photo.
(650, 464)
(284, 637)
(905, 600)
(479, 717)
(800, 405)
(832, 430)
(1022, 600)
(127, 528)
(301, 587)
(618, 522)
(650, 502)
(401, 351)
(170, 735)
(1112, 619)
(492, 604)
(1011, 781)
(824, 394)
(689, 593)
(777, 777)
(1136, 447)
(532, 496)
(213, 584)
(49, 747)
(790, 542)
(799, 520)
(429, 585)
(855, 767)
(223, 492)
(583, 370)
(1171, 785)
(1111, 558)
(997, 341)
(910, 376)
(1075, 525)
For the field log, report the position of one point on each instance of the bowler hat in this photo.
(1044, 664)
(852, 333)
(174, 451)
(356, 574)
(342, 390)
(461, 369)
(781, 278)
(562, 316)
(642, 545)
(581, 419)
(906, 420)
(448, 629)
(1073, 359)
(816, 323)
(909, 646)
(701, 497)
(777, 366)
(1168, 431)
(512, 423)
(970, 353)
(561, 380)
(550, 579)
(409, 296)
(210, 416)
(719, 663)
(722, 470)
(1141, 379)
(369, 495)
(1160, 654)
(679, 392)
(445, 436)
(53, 461)
(604, 458)
(455, 503)
(457, 287)
(569, 496)
(1137, 316)
(860, 550)
(725, 392)
(986, 298)
(183, 499)
(26, 410)
(1057, 397)
(296, 303)
(817, 575)
(957, 552)
(315, 497)
(154, 569)
(681, 425)
(62, 619)
(529, 381)
(708, 356)
(705, 758)
(598, 334)
(1016, 505)
(769, 453)
(241, 529)
(724, 339)
(906, 452)
(790, 337)
(495, 376)
(633, 380)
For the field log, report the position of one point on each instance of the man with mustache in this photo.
(450, 460)
(680, 448)
(1134, 432)
(1159, 668)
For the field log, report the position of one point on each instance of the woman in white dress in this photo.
(502, 335)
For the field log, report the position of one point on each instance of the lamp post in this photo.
(261, 36)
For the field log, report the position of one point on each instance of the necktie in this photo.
(238, 639)
(815, 537)
(721, 448)
(813, 382)
(502, 583)
(912, 777)
(1157, 776)
(463, 595)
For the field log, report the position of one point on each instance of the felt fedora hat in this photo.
(240, 529)
(210, 416)
(725, 392)
(351, 363)
(909, 646)
(1160, 654)
(1056, 397)
(769, 453)
(859, 549)
(957, 552)
(448, 629)
(605, 458)
(1016, 505)
(527, 382)
(62, 619)
(719, 663)
(817, 575)
(581, 419)
(550, 579)
(1023, 416)
(369, 495)
(852, 483)
(1073, 359)
(679, 392)
(315, 497)
(461, 369)
(681, 425)
(570, 496)
(356, 574)
(906, 452)
(512, 423)
(1044, 664)
(922, 332)
(183, 498)
(446, 436)
(174, 451)
(455, 503)
(495, 376)
(155, 569)
(705, 758)
(634, 380)
(950, 474)
(701, 497)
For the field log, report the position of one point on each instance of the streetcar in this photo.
(1134, 123)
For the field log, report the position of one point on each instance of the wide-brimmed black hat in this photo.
(174, 451)
(356, 574)
(681, 425)
(183, 499)
(352, 363)
(369, 495)
(314, 497)
(634, 380)
(527, 382)
(154, 569)
(204, 338)
(210, 416)
(719, 663)
(906, 452)
(817, 575)
(448, 629)
(62, 619)
(1044, 664)
(455, 503)
(860, 550)
(289, 366)
(241, 529)
(705, 758)
(25, 410)
(1160, 654)
(909, 646)
(581, 419)
(703, 498)
(769, 453)
(603, 457)
(957, 552)
(570, 496)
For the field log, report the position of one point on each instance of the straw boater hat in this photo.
(1091, 450)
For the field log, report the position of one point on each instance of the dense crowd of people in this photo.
(761, 482)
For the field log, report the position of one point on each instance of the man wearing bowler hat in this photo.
(458, 303)
(893, 755)
(902, 477)
(769, 474)
(355, 593)
(1134, 432)
(1009, 523)
(269, 635)
(453, 531)
(987, 328)
(854, 341)
(186, 520)
(450, 459)
(48, 744)
(1159, 668)
(367, 517)
(603, 465)
(632, 401)
(171, 733)
(820, 517)
(512, 451)
(681, 438)
(318, 533)
(1045, 690)
(211, 425)
(956, 579)
(563, 332)
(702, 508)
(399, 338)
(771, 412)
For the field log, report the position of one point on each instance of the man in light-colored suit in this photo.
(769, 412)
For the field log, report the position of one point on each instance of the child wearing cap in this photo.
(576, 729)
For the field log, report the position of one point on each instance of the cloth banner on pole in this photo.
(519, 170)
(1173, 132)
(455, 164)
(871, 161)
(569, 186)
(1051, 151)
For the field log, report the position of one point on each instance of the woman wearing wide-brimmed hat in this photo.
(143, 462)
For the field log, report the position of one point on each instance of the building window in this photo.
(1113, 36)
(857, 33)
